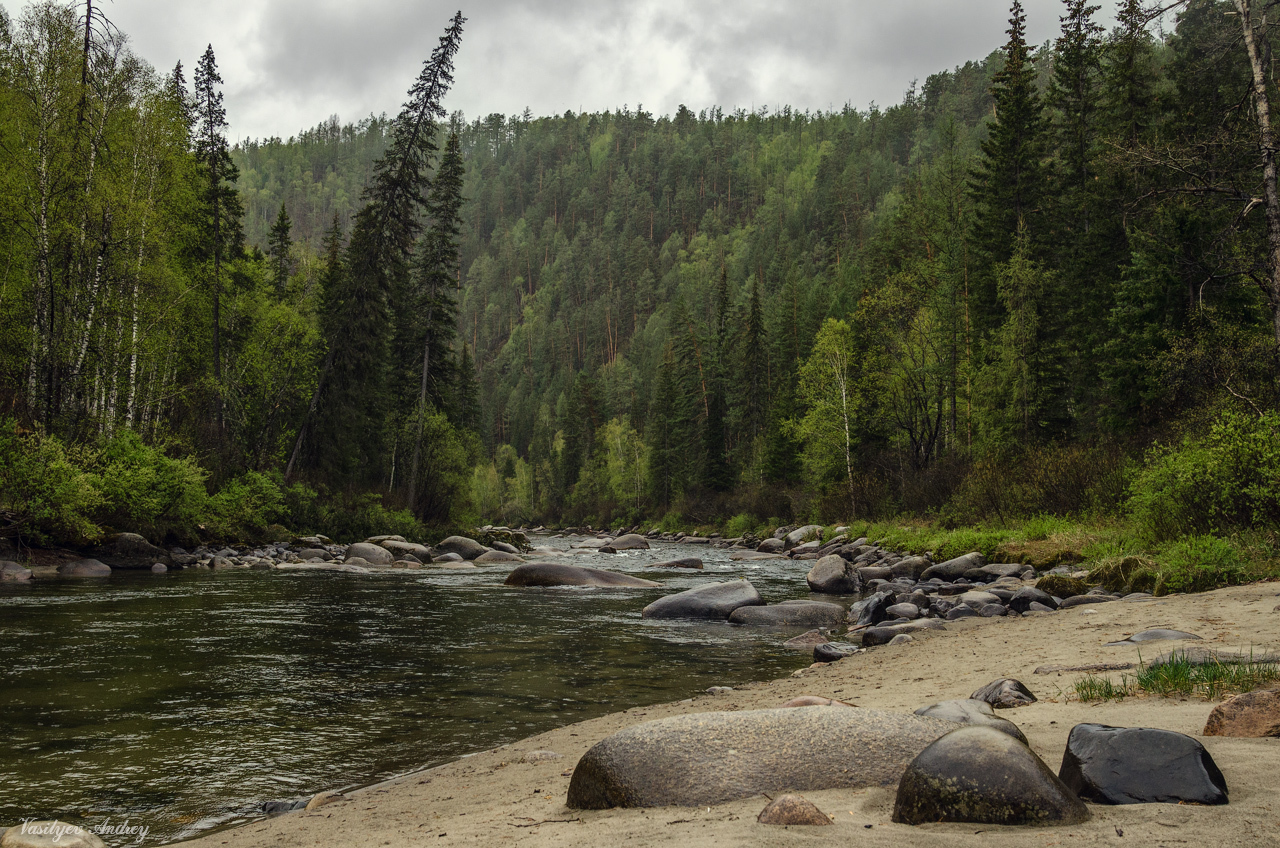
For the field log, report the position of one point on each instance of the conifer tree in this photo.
(279, 245)
(1008, 183)
(1073, 95)
(1129, 78)
(717, 475)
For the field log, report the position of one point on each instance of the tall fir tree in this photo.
(279, 248)
(717, 473)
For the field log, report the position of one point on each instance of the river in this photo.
(180, 702)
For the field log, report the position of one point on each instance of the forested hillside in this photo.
(997, 298)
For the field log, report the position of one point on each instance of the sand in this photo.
(494, 798)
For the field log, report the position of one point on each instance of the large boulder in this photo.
(370, 553)
(683, 562)
(713, 601)
(1254, 715)
(84, 568)
(883, 634)
(710, 758)
(912, 566)
(398, 547)
(969, 711)
(1140, 765)
(49, 834)
(129, 550)
(872, 610)
(13, 571)
(800, 534)
(791, 614)
(771, 546)
(834, 575)
(460, 545)
(954, 568)
(314, 553)
(978, 774)
(562, 574)
(497, 556)
(629, 542)
(1026, 596)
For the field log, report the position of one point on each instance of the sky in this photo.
(290, 64)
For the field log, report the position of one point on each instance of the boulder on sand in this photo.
(969, 711)
(713, 601)
(370, 553)
(1005, 693)
(1140, 765)
(801, 614)
(460, 545)
(710, 758)
(834, 575)
(1253, 715)
(561, 574)
(954, 568)
(792, 810)
(978, 774)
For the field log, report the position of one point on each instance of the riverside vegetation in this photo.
(1031, 309)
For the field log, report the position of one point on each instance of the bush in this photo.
(145, 491)
(1227, 479)
(244, 507)
(740, 525)
(46, 496)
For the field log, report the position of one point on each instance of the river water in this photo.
(182, 701)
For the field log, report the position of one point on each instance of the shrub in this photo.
(245, 506)
(145, 491)
(46, 496)
(1225, 480)
(740, 525)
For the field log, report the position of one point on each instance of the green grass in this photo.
(1179, 677)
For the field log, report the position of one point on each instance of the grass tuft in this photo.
(1180, 677)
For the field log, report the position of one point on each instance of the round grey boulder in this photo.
(803, 614)
(13, 571)
(629, 542)
(834, 575)
(49, 834)
(370, 553)
(84, 568)
(710, 758)
(497, 556)
(980, 775)
(713, 601)
(954, 568)
(314, 553)
(771, 546)
(560, 574)
(460, 545)
(449, 557)
(969, 711)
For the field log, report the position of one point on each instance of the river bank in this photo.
(505, 796)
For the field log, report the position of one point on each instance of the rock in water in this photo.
(629, 542)
(806, 640)
(559, 574)
(370, 553)
(834, 575)
(792, 809)
(969, 711)
(832, 651)
(1139, 765)
(713, 601)
(1254, 715)
(460, 545)
(978, 774)
(1005, 694)
(497, 556)
(13, 571)
(806, 614)
(710, 758)
(685, 562)
(84, 568)
(49, 834)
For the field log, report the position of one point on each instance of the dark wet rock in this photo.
(1158, 634)
(829, 652)
(497, 556)
(13, 571)
(713, 601)
(560, 574)
(279, 808)
(711, 758)
(993, 610)
(814, 701)
(807, 640)
(771, 546)
(84, 568)
(950, 590)
(792, 810)
(49, 834)
(129, 550)
(1005, 693)
(954, 568)
(883, 634)
(834, 575)
(466, 548)
(1140, 765)
(314, 553)
(978, 774)
(686, 562)
(628, 542)
(804, 614)
(1024, 598)
(450, 557)
(1083, 600)
(961, 611)
(1253, 715)
(867, 573)
(370, 553)
(872, 610)
(969, 711)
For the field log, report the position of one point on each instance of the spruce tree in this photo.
(279, 245)
(1008, 184)
(717, 474)
(1130, 77)
(1073, 96)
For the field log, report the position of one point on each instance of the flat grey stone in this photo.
(533, 574)
(1156, 635)
(713, 601)
(807, 614)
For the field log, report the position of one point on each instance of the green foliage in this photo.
(1225, 479)
(45, 493)
(1180, 677)
(244, 507)
(148, 492)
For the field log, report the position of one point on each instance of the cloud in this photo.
(289, 64)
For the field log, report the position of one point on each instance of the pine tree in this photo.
(1008, 183)
(221, 204)
(1073, 95)
(1130, 77)
(279, 245)
(717, 474)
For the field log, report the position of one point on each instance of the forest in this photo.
(1046, 283)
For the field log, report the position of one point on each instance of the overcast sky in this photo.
(289, 64)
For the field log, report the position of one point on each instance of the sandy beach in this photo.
(501, 798)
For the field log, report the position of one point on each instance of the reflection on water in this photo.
(182, 701)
